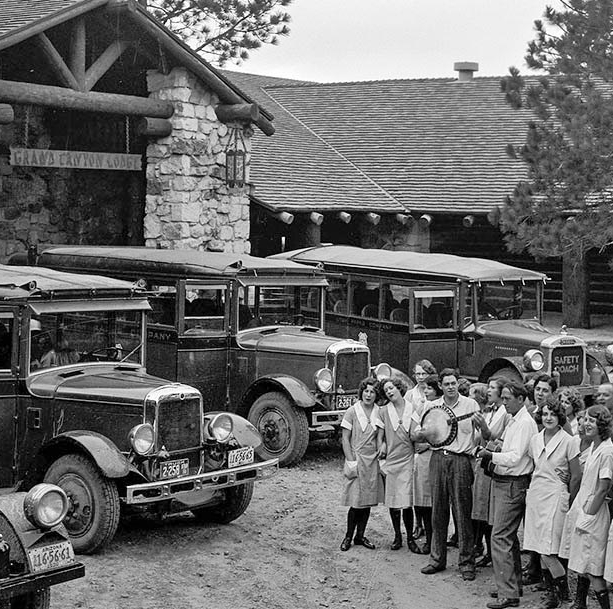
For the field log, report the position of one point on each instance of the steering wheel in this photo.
(512, 312)
(101, 354)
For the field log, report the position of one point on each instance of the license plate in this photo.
(344, 401)
(174, 469)
(51, 557)
(240, 456)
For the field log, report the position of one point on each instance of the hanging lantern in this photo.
(236, 159)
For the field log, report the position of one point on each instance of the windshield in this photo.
(508, 301)
(285, 305)
(60, 339)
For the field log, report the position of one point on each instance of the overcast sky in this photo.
(345, 40)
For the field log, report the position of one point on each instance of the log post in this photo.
(6, 114)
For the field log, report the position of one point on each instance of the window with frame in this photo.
(205, 309)
(433, 309)
(6, 340)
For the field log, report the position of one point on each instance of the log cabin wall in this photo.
(482, 240)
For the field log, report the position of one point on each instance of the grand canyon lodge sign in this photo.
(75, 159)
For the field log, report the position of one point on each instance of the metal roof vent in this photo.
(465, 70)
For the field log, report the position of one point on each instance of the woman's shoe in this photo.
(418, 532)
(413, 547)
(396, 544)
(345, 544)
(363, 541)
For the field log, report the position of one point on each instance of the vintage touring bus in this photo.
(481, 316)
(246, 331)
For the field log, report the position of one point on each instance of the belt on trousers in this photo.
(501, 478)
(448, 453)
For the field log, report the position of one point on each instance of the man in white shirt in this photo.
(510, 480)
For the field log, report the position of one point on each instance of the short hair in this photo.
(516, 388)
(555, 407)
(432, 381)
(603, 420)
(427, 366)
(479, 391)
(500, 381)
(574, 397)
(394, 380)
(545, 378)
(463, 386)
(449, 372)
(370, 380)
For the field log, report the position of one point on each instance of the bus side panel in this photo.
(442, 351)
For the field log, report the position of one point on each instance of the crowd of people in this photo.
(495, 457)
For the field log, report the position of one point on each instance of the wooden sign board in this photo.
(75, 159)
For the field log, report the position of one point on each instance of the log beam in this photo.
(238, 112)
(102, 65)
(344, 216)
(62, 71)
(373, 218)
(154, 127)
(77, 52)
(58, 97)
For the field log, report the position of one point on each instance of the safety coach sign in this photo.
(75, 159)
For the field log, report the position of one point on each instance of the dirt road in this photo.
(281, 554)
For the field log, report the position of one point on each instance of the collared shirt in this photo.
(514, 460)
(466, 439)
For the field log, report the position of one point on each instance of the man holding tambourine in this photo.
(447, 426)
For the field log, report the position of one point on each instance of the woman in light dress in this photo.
(556, 460)
(363, 486)
(584, 537)
(397, 451)
(422, 495)
(573, 403)
(490, 424)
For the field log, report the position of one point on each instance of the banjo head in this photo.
(439, 426)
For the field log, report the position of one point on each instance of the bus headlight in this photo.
(381, 371)
(45, 505)
(220, 427)
(323, 380)
(142, 439)
(534, 360)
(608, 353)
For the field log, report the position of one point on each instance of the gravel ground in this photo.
(281, 554)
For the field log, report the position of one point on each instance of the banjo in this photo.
(440, 425)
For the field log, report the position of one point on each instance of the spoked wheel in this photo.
(93, 513)
(284, 428)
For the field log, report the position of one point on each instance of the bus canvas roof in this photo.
(439, 266)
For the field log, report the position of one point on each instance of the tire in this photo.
(41, 599)
(508, 373)
(236, 501)
(284, 428)
(93, 515)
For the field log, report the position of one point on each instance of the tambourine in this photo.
(439, 425)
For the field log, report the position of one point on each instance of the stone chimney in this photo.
(465, 70)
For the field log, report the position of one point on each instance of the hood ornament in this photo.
(563, 329)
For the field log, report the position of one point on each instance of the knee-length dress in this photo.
(422, 496)
(366, 489)
(586, 550)
(547, 499)
(399, 458)
(496, 421)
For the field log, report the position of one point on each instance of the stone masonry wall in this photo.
(188, 203)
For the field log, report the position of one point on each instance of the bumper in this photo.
(327, 417)
(192, 490)
(16, 586)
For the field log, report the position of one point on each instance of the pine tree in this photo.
(224, 30)
(565, 205)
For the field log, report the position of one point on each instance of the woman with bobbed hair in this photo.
(573, 403)
(555, 455)
(421, 462)
(584, 537)
(363, 487)
(397, 450)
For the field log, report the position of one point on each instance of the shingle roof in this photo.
(433, 145)
(20, 14)
(297, 170)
